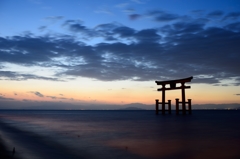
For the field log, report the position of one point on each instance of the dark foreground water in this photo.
(121, 134)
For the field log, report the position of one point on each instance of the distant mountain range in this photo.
(140, 106)
(13, 104)
(132, 108)
(217, 106)
(135, 106)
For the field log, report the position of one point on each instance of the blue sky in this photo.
(28, 15)
(126, 42)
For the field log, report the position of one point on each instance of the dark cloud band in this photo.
(175, 50)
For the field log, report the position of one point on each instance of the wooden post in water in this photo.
(177, 106)
(189, 106)
(169, 106)
(183, 99)
(157, 106)
(163, 99)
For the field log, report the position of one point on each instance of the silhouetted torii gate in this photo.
(173, 86)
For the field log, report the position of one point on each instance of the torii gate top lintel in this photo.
(173, 83)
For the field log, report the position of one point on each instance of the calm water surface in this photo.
(121, 134)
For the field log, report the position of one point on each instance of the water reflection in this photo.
(132, 134)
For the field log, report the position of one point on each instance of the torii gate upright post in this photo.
(173, 86)
(183, 98)
(163, 99)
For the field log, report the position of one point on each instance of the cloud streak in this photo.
(10, 75)
(37, 93)
(2, 98)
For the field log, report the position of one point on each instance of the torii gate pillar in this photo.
(172, 84)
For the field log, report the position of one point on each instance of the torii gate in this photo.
(172, 84)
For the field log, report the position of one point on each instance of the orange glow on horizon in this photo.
(121, 92)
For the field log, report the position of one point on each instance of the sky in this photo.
(89, 54)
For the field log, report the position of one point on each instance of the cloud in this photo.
(42, 28)
(124, 32)
(237, 94)
(129, 11)
(37, 93)
(233, 26)
(53, 97)
(147, 36)
(232, 16)
(134, 16)
(54, 18)
(198, 12)
(50, 20)
(77, 26)
(2, 98)
(104, 10)
(26, 49)
(10, 75)
(162, 16)
(187, 28)
(215, 14)
(175, 49)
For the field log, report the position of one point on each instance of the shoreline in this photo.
(4, 153)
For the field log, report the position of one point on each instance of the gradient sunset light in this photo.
(89, 53)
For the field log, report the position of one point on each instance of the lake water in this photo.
(206, 134)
